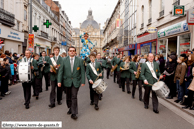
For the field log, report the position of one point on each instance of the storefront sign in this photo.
(174, 29)
(152, 30)
(31, 42)
(178, 10)
(8, 33)
(64, 43)
(130, 47)
(190, 17)
(117, 23)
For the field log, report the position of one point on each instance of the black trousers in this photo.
(115, 74)
(147, 97)
(123, 80)
(37, 86)
(27, 92)
(4, 85)
(140, 87)
(71, 98)
(108, 73)
(94, 97)
(119, 78)
(47, 80)
(170, 83)
(53, 93)
(190, 98)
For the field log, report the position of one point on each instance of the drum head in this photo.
(96, 83)
(158, 85)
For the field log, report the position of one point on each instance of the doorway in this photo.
(172, 45)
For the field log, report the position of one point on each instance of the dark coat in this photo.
(162, 64)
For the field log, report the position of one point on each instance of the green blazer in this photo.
(76, 78)
(47, 65)
(90, 74)
(125, 73)
(88, 60)
(36, 69)
(132, 69)
(113, 61)
(108, 65)
(54, 76)
(118, 63)
(147, 75)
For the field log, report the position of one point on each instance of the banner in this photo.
(31, 42)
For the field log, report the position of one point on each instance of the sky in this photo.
(77, 10)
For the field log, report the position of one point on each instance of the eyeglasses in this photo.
(71, 50)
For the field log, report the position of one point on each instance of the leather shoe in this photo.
(140, 99)
(0, 98)
(185, 107)
(123, 90)
(169, 97)
(96, 107)
(133, 97)
(37, 97)
(156, 111)
(73, 116)
(27, 106)
(69, 112)
(52, 105)
(146, 107)
(59, 103)
(92, 103)
(191, 108)
(129, 92)
(177, 101)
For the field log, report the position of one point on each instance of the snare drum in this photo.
(161, 89)
(24, 72)
(99, 86)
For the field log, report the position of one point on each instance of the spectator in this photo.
(162, 63)
(157, 59)
(51, 55)
(15, 56)
(8, 56)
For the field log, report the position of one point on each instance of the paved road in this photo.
(117, 111)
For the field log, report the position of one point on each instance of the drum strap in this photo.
(151, 70)
(53, 61)
(93, 69)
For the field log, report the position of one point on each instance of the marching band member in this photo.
(149, 73)
(135, 76)
(93, 70)
(37, 79)
(118, 62)
(45, 69)
(53, 76)
(108, 67)
(113, 63)
(72, 73)
(27, 85)
(125, 75)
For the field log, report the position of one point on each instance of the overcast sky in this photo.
(77, 10)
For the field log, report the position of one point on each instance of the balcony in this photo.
(150, 21)
(142, 26)
(176, 3)
(44, 34)
(7, 18)
(161, 14)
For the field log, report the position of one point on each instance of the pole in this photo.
(30, 16)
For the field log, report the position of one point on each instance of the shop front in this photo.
(146, 43)
(42, 45)
(12, 40)
(175, 38)
(128, 51)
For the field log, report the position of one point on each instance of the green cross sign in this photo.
(47, 23)
(35, 28)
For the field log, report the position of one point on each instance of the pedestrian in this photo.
(150, 73)
(180, 76)
(157, 59)
(53, 76)
(169, 72)
(8, 56)
(135, 67)
(72, 73)
(108, 67)
(162, 63)
(93, 70)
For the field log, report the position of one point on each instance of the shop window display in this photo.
(184, 43)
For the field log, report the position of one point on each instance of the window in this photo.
(18, 25)
(25, 15)
(2, 4)
(161, 5)
(142, 14)
(150, 8)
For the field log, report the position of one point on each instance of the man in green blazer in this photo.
(92, 76)
(108, 66)
(46, 69)
(37, 79)
(150, 77)
(53, 76)
(72, 73)
(118, 62)
(113, 63)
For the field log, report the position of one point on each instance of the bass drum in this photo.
(24, 72)
(161, 89)
(99, 86)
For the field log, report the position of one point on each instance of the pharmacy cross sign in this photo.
(35, 28)
(47, 23)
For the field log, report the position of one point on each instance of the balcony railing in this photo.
(161, 13)
(150, 21)
(7, 18)
(142, 25)
(176, 3)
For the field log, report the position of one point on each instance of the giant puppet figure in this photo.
(85, 49)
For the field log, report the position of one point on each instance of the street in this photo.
(117, 110)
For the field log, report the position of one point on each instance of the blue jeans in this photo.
(187, 83)
(180, 90)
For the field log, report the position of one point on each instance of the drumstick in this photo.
(98, 76)
(159, 78)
